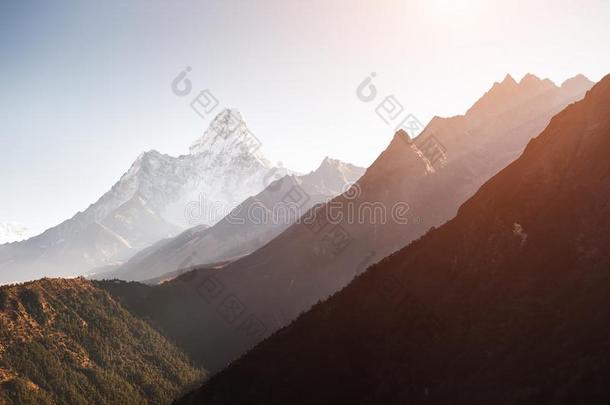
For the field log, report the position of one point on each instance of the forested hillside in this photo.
(67, 342)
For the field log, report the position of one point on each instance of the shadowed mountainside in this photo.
(507, 303)
(205, 310)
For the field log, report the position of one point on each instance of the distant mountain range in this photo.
(474, 147)
(252, 224)
(152, 201)
(304, 264)
(66, 342)
(506, 303)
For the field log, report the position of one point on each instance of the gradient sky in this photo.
(86, 84)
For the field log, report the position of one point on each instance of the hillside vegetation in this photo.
(67, 342)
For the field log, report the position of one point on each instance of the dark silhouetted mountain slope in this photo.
(508, 302)
(303, 265)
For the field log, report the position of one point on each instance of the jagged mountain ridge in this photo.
(244, 230)
(150, 202)
(300, 267)
(506, 303)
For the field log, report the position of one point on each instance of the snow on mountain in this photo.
(158, 197)
(474, 312)
(241, 232)
(220, 167)
(302, 266)
(13, 232)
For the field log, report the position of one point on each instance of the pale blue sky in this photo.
(86, 84)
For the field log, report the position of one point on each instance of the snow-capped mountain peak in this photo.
(228, 138)
(158, 197)
(13, 232)
(224, 167)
